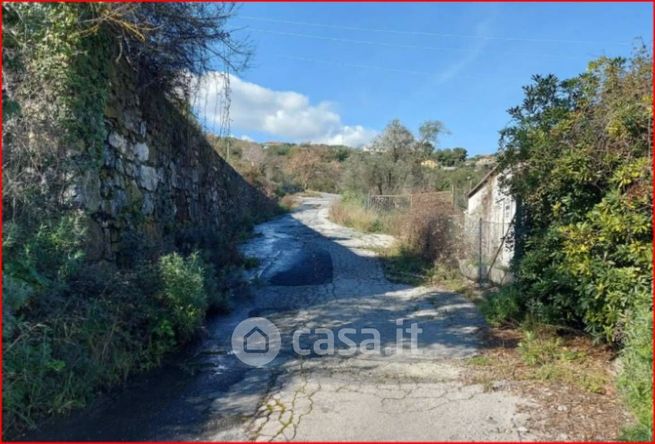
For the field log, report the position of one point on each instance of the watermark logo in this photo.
(256, 341)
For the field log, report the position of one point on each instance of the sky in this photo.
(338, 73)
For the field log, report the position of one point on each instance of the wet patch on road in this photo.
(304, 267)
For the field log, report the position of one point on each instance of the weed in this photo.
(288, 202)
(479, 361)
(502, 308)
(552, 360)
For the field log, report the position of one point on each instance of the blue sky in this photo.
(340, 72)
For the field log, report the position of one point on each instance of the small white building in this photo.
(488, 231)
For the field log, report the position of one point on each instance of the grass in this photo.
(414, 259)
(479, 361)
(289, 202)
(552, 360)
(351, 213)
(548, 358)
(311, 193)
(564, 373)
(401, 265)
(540, 354)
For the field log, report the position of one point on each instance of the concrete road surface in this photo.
(316, 274)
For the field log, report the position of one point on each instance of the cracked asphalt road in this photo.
(314, 273)
(394, 396)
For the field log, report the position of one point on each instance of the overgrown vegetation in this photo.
(560, 369)
(397, 162)
(426, 250)
(351, 211)
(580, 154)
(421, 191)
(72, 328)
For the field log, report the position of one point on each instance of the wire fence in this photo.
(486, 250)
(407, 202)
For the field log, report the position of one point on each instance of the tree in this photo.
(429, 133)
(163, 40)
(394, 163)
(396, 141)
(459, 154)
(305, 165)
(451, 156)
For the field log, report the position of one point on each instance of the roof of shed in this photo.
(484, 180)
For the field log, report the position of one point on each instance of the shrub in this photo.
(288, 202)
(182, 293)
(229, 283)
(51, 252)
(636, 379)
(95, 327)
(430, 230)
(503, 307)
(74, 338)
(537, 350)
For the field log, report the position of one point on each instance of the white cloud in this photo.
(285, 114)
(349, 135)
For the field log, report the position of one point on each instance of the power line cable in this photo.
(364, 66)
(426, 33)
(398, 45)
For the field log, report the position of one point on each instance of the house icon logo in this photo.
(256, 341)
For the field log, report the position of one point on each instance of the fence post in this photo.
(480, 253)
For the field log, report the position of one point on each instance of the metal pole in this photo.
(480, 265)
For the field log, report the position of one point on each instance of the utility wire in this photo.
(400, 45)
(372, 67)
(425, 33)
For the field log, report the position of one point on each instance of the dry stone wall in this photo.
(159, 181)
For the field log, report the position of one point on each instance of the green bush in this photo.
(636, 379)
(580, 155)
(50, 252)
(72, 340)
(503, 307)
(182, 294)
(92, 327)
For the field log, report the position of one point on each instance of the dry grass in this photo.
(431, 231)
(352, 214)
(428, 234)
(289, 202)
(570, 380)
(310, 193)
